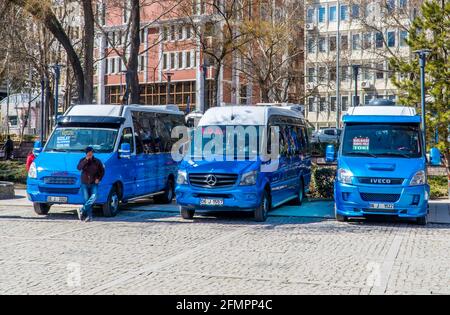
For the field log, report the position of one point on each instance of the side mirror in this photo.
(435, 157)
(330, 155)
(125, 151)
(37, 148)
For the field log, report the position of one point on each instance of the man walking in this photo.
(8, 147)
(92, 172)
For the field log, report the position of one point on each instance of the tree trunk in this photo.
(133, 61)
(216, 84)
(89, 35)
(51, 22)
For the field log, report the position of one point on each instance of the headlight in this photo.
(249, 179)
(344, 176)
(182, 178)
(32, 173)
(420, 178)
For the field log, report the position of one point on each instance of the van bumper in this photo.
(244, 198)
(412, 203)
(35, 194)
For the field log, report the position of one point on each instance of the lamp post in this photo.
(57, 70)
(338, 66)
(422, 53)
(355, 74)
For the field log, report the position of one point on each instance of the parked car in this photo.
(240, 183)
(328, 135)
(133, 143)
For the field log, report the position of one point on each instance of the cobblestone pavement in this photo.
(159, 253)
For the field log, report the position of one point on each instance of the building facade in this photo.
(371, 32)
(173, 65)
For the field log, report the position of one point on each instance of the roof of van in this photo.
(244, 115)
(117, 110)
(381, 114)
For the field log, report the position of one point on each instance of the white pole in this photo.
(338, 74)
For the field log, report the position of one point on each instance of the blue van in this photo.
(133, 143)
(382, 166)
(239, 181)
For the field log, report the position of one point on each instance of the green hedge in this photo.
(438, 186)
(322, 185)
(13, 171)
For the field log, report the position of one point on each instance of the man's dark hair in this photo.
(89, 149)
(9, 138)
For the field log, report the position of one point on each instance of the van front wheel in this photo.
(112, 205)
(262, 211)
(41, 208)
(187, 214)
(422, 221)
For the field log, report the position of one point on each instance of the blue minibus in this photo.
(132, 142)
(241, 177)
(382, 165)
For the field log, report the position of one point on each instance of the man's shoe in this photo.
(88, 219)
(80, 214)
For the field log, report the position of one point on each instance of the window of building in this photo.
(310, 15)
(367, 40)
(391, 39)
(332, 44)
(142, 36)
(333, 103)
(332, 73)
(311, 74)
(165, 62)
(322, 74)
(403, 4)
(188, 32)
(172, 32)
(379, 40)
(322, 47)
(380, 71)
(322, 14)
(344, 42)
(311, 44)
(180, 60)
(344, 73)
(355, 11)
(390, 6)
(356, 42)
(403, 37)
(322, 104)
(180, 33)
(332, 16)
(173, 60)
(344, 12)
(344, 103)
(311, 107)
(188, 60)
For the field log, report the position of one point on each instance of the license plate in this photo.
(57, 199)
(211, 202)
(382, 205)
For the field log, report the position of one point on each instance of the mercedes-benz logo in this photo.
(211, 180)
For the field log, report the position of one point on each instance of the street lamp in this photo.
(57, 70)
(355, 74)
(422, 53)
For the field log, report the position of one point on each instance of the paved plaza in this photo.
(156, 252)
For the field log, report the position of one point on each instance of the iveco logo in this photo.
(380, 181)
(211, 180)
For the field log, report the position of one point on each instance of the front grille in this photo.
(60, 180)
(380, 197)
(213, 180)
(63, 191)
(380, 181)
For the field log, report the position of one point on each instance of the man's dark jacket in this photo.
(91, 170)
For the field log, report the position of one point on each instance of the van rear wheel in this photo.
(186, 213)
(41, 208)
(112, 205)
(422, 221)
(300, 194)
(168, 194)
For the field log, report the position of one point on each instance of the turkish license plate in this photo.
(382, 206)
(57, 199)
(211, 202)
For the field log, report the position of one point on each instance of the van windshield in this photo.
(382, 140)
(78, 139)
(238, 142)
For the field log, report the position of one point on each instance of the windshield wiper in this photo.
(361, 154)
(395, 154)
(57, 150)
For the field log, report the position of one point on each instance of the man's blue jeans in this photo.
(90, 196)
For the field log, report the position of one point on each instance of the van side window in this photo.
(138, 130)
(127, 137)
